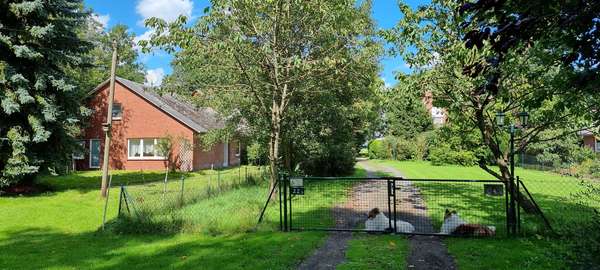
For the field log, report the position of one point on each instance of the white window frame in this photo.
(118, 117)
(597, 145)
(156, 157)
(90, 156)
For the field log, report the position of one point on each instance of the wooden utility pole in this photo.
(108, 125)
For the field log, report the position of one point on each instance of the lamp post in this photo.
(523, 119)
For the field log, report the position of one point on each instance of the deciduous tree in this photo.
(267, 62)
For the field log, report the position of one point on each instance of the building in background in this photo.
(439, 116)
(142, 119)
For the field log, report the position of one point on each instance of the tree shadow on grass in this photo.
(44, 248)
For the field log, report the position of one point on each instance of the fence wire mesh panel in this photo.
(182, 204)
(561, 203)
(434, 206)
(337, 204)
(402, 205)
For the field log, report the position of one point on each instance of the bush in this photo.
(377, 150)
(393, 148)
(444, 155)
(257, 154)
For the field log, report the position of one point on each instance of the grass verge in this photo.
(367, 251)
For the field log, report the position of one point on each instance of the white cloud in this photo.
(154, 77)
(167, 10)
(145, 36)
(101, 19)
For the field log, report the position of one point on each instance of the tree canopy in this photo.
(290, 71)
(473, 82)
(98, 60)
(40, 105)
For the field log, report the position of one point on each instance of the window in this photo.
(597, 145)
(79, 150)
(117, 111)
(143, 148)
(238, 151)
(94, 153)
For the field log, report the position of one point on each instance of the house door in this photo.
(226, 154)
(94, 153)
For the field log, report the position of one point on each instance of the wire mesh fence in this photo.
(415, 206)
(561, 204)
(182, 204)
(438, 206)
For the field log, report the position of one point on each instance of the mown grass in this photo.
(314, 208)
(90, 180)
(552, 192)
(59, 230)
(367, 251)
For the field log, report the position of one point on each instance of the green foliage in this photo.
(257, 154)
(450, 145)
(580, 241)
(404, 112)
(377, 150)
(96, 68)
(474, 80)
(298, 75)
(556, 153)
(40, 104)
(445, 155)
(396, 148)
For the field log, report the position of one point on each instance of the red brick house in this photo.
(141, 119)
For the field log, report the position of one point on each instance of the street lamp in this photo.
(524, 121)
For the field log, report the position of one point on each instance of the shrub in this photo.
(257, 154)
(377, 150)
(444, 155)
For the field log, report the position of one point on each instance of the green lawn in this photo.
(376, 252)
(59, 230)
(551, 191)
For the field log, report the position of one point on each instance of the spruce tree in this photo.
(41, 107)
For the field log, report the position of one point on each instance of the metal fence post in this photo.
(120, 200)
(506, 208)
(389, 194)
(280, 203)
(182, 188)
(285, 213)
(518, 227)
(246, 171)
(394, 202)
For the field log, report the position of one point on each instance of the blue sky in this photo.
(133, 12)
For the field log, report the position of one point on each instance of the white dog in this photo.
(453, 224)
(377, 221)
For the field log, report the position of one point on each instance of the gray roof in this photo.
(198, 119)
